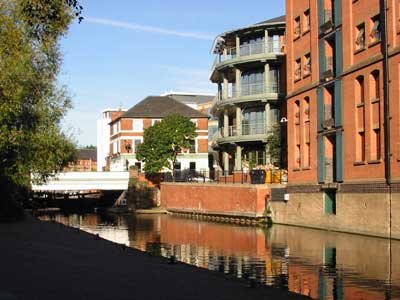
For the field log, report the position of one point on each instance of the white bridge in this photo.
(85, 181)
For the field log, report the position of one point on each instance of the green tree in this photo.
(274, 140)
(163, 141)
(31, 102)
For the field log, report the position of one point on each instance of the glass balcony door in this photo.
(253, 122)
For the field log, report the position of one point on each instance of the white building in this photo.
(103, 136)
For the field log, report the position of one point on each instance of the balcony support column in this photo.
(219, 91)
(226, 86)
(266, 42)
(238, 158)
(267, 81)
(238, 120)
(237, 46)
(226, 123)
(225, 157)
(238, 82)
(225, 54)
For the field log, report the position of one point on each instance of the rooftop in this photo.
(190, 98)
(160, 107)
(87, 154)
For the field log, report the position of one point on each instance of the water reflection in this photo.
(323, 265)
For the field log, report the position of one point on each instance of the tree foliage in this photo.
(164, 141)
(274, 145)
(31, 102)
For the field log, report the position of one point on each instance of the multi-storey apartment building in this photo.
(250, 73)
(343, 69)
(127, 129)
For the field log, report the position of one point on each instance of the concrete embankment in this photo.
(45, 260)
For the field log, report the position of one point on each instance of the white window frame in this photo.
(138, 122)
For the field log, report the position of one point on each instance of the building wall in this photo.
(363, 213)
(368, 116)
(239, 201)
(122, 144)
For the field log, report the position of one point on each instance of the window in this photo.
(374, 85)
(297, 29)
(251, 46)
(192, 148)
(306, 120)
(360, 37)
(253, 82)
(297, 69)
(376, 29)
(359, 95)
(330, 202)
(138, 124)
(307, 64)
(177, 165)
(274, 82)
(192, 165)
(306, 21)
(137, 143)
(359, 90)
(127, 146)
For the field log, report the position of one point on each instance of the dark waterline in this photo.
(320, 264)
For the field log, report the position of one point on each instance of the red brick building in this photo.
(127, 129)
(86, 161)
(343, 132)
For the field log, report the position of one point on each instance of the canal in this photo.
(323, 265)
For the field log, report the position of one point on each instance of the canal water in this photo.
(323, 265)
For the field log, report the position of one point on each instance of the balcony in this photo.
(246, 132)
(248, 51)
(251, 89)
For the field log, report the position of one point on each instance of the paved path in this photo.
(45, 260)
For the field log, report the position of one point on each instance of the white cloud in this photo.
(139, 27)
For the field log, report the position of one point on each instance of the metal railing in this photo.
(250, 89)
(245, 129)
(250, 49)
(242, 176)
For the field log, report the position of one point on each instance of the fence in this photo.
(255, 176)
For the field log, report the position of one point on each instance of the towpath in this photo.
(46, 260)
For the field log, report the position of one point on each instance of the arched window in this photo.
(306, 130)
(359, 90)
(374, 85)
(359, 94)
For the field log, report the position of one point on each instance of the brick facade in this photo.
(336, 115)
(233, 201)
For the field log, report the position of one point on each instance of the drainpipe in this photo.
(388, 173)
(384, 45)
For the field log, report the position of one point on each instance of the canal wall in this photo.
(242, 240)
(362, 213)
(246, 201)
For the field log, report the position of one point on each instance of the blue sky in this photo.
(125, 50)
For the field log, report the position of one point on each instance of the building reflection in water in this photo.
(323, 265)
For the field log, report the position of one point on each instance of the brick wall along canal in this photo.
(321, 264)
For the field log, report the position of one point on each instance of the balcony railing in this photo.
(251, 89)
(245, 130)
(250, 49)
